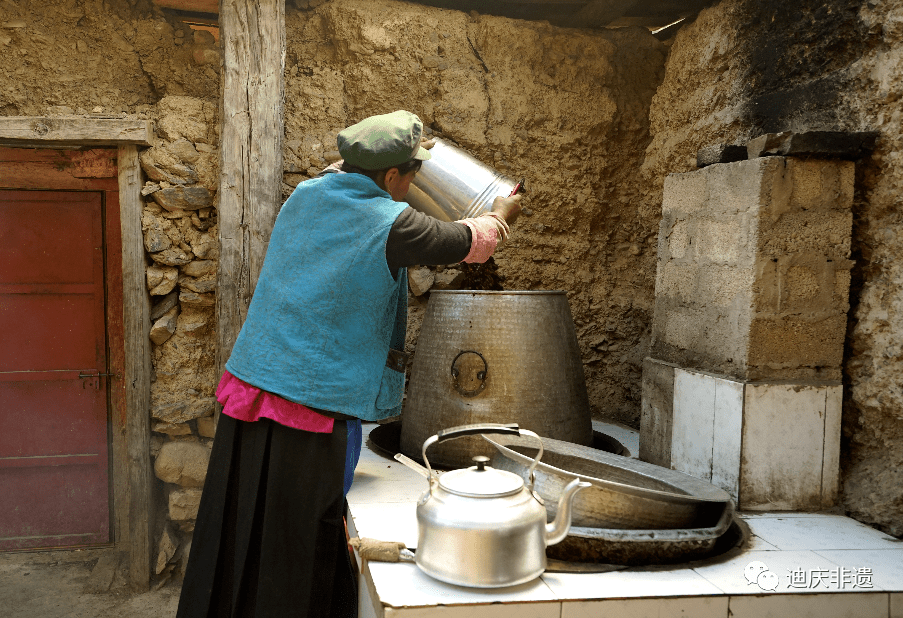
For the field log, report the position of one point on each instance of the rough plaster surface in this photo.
(746, 67)
(565, 108)
(74, 56)
(873, 409)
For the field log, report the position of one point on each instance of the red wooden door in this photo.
(53, 422)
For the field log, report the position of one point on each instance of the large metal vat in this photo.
(495, 357)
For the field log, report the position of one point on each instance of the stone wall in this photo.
(180, 237)
(119, 58)
(565, 108)
(746, 67)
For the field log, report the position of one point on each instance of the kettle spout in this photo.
(558, 529)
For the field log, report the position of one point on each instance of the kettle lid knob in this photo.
(481, 461)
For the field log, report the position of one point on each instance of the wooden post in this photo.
(250, 190)
(136, 325)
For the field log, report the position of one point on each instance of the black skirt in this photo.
(269, 541)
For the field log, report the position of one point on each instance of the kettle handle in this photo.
(476, 429)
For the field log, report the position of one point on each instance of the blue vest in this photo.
(326, 308)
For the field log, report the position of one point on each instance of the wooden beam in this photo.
(48, 132)
(136, 326)
(596, 14)
(199, 6)
(250, 191)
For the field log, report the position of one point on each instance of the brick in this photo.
(679, 239)
(825, 233)
(721, 241)
(790, 342)
(677, 281)
(741, 187)
(725, 287)
(685, 193)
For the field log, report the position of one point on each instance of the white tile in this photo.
(386, 522)
(647, 582)
(367, 606)
(885, 565)
(819, 532)
(830, 474)
(755, 543)
(751, 515)
(739, 575)
(374, 490)
(404, 585)
(520, 610)
(383, 468)
(693, 423)
(896, 605)
(728, 429)
(783, 442)
(810, 606)
(688, 607)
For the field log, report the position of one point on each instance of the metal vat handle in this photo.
(481, 375)
(476, 429)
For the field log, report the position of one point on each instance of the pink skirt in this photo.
(248, 403)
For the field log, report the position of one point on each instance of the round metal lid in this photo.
(481, 481)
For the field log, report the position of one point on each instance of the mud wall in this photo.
(746, 67)
(566, 108)
(123, 59)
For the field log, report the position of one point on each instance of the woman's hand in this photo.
(508, 207)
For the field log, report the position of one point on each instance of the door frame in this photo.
(101, 154)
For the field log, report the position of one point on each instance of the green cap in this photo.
(384, 141)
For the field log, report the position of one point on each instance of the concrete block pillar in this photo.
(751, 301)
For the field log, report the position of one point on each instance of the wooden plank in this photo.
(250, 192)
(28, 168)
(137, 367)
(47, 176)
(119, 463)
(48, 132)
(195, 6)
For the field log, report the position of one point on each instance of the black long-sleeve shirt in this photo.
(419, 239)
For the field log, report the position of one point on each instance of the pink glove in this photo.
(487, 231)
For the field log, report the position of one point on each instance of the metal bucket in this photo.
(453, 185)
(495, 357)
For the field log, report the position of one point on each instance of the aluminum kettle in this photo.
(482, 527)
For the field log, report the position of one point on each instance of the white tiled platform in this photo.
(825, 549)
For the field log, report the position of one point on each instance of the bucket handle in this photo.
(481, 375)
(477, 429)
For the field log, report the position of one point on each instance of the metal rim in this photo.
(675, 535)
(698, 491)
